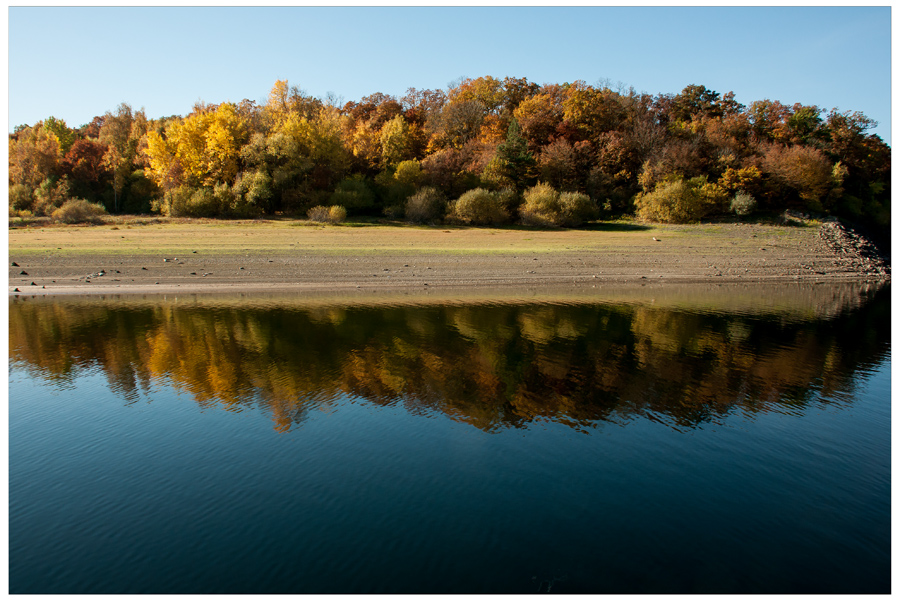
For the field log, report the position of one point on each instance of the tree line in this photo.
(484, 150)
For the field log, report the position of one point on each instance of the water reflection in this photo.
(491, 365)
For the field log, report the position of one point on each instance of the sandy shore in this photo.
(264, 256)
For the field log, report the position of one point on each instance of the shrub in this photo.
(202, 203)
(679, 200)
(546, 207)
(337, 214)
(253, 194)
(425, 206)
(479, 207)
(50, 195)
(318, 214)
(79, 211)
(743, 204)
(175, 202)
(576, 209)
(20, 197)
(541, 206)
(186, 201)
(509, 200)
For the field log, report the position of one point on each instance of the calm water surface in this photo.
(255, 446)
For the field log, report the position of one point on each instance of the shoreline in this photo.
(234, 257)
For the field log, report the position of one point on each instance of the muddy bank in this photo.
(273, 257)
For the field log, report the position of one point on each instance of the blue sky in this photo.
(75, 63)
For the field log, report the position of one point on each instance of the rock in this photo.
(23, 273)
(17, 290)
(15, 264)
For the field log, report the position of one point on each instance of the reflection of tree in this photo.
(492, 366)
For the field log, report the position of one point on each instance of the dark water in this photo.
(172, 447)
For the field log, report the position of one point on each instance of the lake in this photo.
(731, 441)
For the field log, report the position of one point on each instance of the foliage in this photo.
(517, 163)
(327, 214)
(804, 172)
(354, 194)
(254, 192)
(318, 214)
(546, 207)
(680, 200)
(743, 204)
(294, 151)
(78, 210)
(49, 196)
(64, 136)
(425, 206)
(409, 172)
(479, 207)
(337, 214)
(20, 197)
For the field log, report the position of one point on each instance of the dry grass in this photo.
(146, 235)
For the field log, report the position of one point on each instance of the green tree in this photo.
(517, 162)
(65, 137)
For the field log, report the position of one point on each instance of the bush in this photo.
(318, 214)
(79, 211)
(576, 209)
(479, 207)
(743, 204)
(425, 206)
(203, 203)
(546, 207)
(50, 195)
(175, 202)
(20, 197)
(252, 195)
(679, 200)
(337, 214)
(541, 207)
(509, 200)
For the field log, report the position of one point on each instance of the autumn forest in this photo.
(483, 151)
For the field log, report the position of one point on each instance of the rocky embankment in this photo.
(854, 252)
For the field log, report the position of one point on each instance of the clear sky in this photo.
(75, 63)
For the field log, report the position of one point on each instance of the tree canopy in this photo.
(622, 149)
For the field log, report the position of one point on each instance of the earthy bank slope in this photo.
(207, 256)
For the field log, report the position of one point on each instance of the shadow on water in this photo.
(493, 366)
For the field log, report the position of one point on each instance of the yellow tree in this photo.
(277, 108)
(206, 146)
(395, 141)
